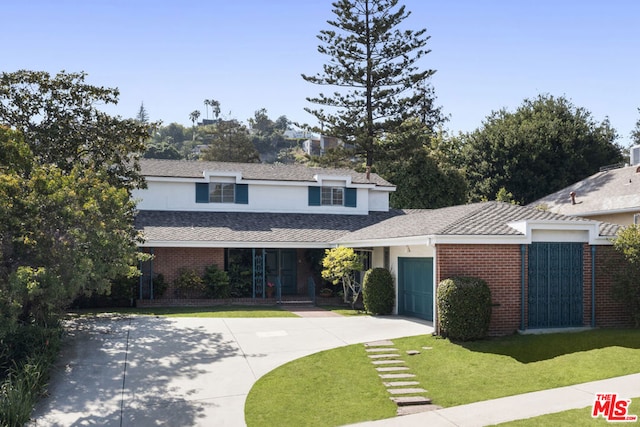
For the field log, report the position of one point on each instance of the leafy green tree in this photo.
(626, 285)
(163, 150)
(66, 214)
(339, 266)
(62, 233)
(61, 124)
(373, 64)
(230, 142)
(423, 176)
(542, 147)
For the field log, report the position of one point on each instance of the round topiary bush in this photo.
(378, 293)
(464, 308)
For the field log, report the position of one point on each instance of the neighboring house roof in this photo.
(611, 191)
(252, 171)
(479, 219)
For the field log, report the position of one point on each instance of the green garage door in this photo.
(555, 285)
(415, 287)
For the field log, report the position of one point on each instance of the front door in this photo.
(282, 263)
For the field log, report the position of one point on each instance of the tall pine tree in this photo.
(374, 66)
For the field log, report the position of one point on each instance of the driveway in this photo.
(153, 371)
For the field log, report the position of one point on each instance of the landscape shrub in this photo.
(31, 351)
(464, 308)
(189, 284)
(378, 293)
(216, 282)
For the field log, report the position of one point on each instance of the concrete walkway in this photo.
(517, 407)
(147, 371)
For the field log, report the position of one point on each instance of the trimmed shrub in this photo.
(216, 282)
(189, 284)
(464, 308)
(378, 293)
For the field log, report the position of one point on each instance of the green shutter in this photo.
(314, 196)
(350, 197)
(202, 192)
(242, 194)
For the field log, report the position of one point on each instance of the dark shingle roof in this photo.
(251, 227)
(479, 219)
(251, 171)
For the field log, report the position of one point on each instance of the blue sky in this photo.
(249, 54)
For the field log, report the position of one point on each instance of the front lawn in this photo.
(213, 311)
(341, 386)
(571, 418)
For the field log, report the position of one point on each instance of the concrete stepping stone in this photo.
(395, 376)
(380, 349)
(411, 400)
(382, 356)
(381, 343)
(400, 383)
(406, 390)
(392, 368)
(386, 362)
(412, 352)
(427, 348)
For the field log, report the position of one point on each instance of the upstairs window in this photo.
(222, 192)
(332, 196)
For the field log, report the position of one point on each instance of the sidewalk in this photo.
(517, 407)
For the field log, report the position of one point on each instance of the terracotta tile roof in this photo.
(252, 171)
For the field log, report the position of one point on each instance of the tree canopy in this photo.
(66, 213)
(229, 142)
(542, 147)
(61, 124)
(373, 64)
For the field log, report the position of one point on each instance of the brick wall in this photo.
(609, 313)
(168, 261)
(499, 266)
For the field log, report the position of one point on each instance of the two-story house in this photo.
(270, 222)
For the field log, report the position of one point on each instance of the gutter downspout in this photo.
(523, 250)
(593, 286)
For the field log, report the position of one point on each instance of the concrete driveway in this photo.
(148, 371)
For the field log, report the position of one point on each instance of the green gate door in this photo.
(555, 285)
(415, 287)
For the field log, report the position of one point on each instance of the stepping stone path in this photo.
(407, 394)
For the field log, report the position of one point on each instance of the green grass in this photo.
(341, 386)
(333, 387)
(571, 418)
(213, 311)
(344, 310)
